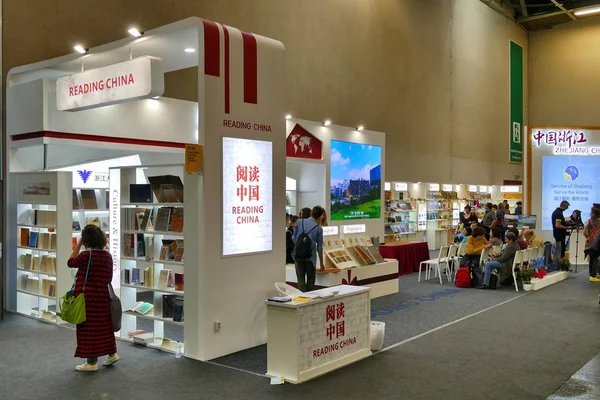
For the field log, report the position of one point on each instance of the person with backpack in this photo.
(590, 231)
(308, 241)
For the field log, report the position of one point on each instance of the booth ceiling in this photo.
(544, 14)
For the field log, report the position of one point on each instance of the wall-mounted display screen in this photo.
(575, 179)
(355, 181)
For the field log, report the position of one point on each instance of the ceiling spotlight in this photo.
(360, 128)
(289, 116)
(79, 48)
(135, 33)
(190, 50)
(587, 11)
(327, 122)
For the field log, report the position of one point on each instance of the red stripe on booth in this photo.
(250, 68)
(96, 138)
(226, 68)
(212, 56)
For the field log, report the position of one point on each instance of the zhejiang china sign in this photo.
(565, 141)
(135, 79)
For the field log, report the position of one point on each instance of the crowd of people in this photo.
(304, 241)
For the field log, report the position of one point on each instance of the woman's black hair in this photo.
(469, 230)
(92, 237)
(293, 218)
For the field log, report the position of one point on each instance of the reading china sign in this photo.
(135, 79)
(247, 196)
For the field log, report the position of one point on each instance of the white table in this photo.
(306, 340)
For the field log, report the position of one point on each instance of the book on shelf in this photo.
(135, 276)
(168, 304)
(141, 245)
(27, 217)
(164, 253)
(33, 239)
(129, 244)
(167, 188)
(162, 219)
(140, 307)
(375, 254)
(44, 240)
(88, 198)
(48, 264)
(45, 218)
(149, 277)
(74, 242)
(25, 237)
(178, 309)
(76, 204)
(146, 220)
(164, 278)
(140, 193)
(32, 284)
(176, 220)
(143, 338)
(106, 199)
(150, 248)
(76, 226)
(104, 224)
(49, 286)
(131, 334)
(126, 276)
(179, 284)
(35, 263)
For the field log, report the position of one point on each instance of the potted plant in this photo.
(540, 273)
(526, 274)
(564, 264)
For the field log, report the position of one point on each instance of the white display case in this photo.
(151, 258)
(39, 242)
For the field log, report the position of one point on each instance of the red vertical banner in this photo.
(212, 56)
(226, 68)
(250, 68)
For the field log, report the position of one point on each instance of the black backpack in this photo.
(303, 245)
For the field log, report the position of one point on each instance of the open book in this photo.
(140, 307)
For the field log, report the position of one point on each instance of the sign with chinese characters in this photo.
(333, 329)
(472, 188)
(247, 196)
(194, 158)
(483, 189)
(564, 141)
(434, 187)
(88, 178)
(135, 79)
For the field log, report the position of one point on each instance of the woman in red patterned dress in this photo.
(95, 336)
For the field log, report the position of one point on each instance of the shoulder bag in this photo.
(72, 309)
(115, 309)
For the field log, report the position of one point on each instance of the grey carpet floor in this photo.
(524, 349)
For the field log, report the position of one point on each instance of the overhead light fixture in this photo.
(135, 33)
(190, 50)
(289, 116)
(360, 128)
(155, 97)
(587, 11)
(79, 48)
(327, 122)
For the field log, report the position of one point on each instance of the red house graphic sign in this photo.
(301, 143)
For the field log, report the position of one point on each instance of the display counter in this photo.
(409, 255)
(382, 278)
(311, 338)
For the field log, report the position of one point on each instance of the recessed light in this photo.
(289, 116)
(360, 128)
(134, 32)
(79, 48)
(190, 50)
(327, 122)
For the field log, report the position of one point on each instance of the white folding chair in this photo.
(486, 254)
(462, 250)
(452, 259)
(435, 263)
(517, 263)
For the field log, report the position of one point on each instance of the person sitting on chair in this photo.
(502, 261)
(475, 245)
(533, 240)
(520, 240)
(496, 237)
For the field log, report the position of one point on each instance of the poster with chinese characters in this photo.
(247, 196)
(333, 329)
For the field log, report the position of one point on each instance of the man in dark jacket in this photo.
(502, 261)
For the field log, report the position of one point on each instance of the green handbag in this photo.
(72, 309)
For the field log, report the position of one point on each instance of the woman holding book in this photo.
(95, 336)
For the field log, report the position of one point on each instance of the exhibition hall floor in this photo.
(469, 344)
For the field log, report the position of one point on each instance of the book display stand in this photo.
(39, 242)
(149, 249)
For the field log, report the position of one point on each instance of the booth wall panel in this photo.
(431, 74)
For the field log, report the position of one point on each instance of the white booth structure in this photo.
(74, 120)
(561, 163)
(341, 169)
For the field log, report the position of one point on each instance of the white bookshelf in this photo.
(35, 196)
(120, 181)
